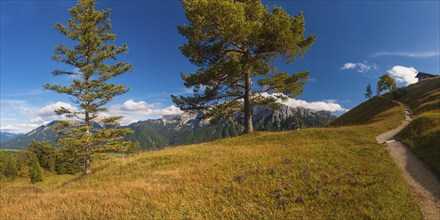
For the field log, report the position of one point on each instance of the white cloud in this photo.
(19, 116)
(406, 75)
(360, 67)
(140, 110)
(77, 74)
(171, 110)
(326, 105)
(9, 128)
(132, 107)
(19, 127)
(348, 66)
(48, 111)
(422, 54)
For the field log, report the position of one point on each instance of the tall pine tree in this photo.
(234, 44)
(90, 90)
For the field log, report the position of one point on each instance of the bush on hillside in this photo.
(399, 93)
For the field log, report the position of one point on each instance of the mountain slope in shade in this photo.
(6, 136)
(190, 129)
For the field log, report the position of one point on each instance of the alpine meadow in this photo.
(220, 109)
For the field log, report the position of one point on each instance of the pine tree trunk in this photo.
(248, 127)
(87, 169)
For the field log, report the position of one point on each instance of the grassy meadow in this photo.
(325, 173)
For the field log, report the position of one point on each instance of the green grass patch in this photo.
(423, 136)
(6, 150)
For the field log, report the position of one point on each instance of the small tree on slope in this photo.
(90, 90)
(35, 172)
(386, 82)
(368, 92)
(234, 43)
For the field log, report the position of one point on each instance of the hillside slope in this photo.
(325, 173)
(423, 133)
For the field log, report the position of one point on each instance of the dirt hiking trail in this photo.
(424, 185)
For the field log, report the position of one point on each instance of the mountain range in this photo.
(190, 128)
(6, 136)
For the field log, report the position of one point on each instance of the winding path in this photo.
(424, 185)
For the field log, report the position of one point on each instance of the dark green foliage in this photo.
(68, 161)
(2, 165)
(234, 44)
(8, 166)
(35, 172)
(45, 153)
(368, 92)
(90, 90)
(399, 93)
(386, 83)
(24, 158)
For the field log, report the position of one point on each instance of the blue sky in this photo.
(357, 42)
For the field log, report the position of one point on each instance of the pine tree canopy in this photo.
(234, 44)
(91, 60)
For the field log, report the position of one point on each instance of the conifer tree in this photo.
(45, 153)
(234, 43)
(368, 92)
(35, 172)
(90, 90)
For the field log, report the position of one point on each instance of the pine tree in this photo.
(45, 153)
(90, 89)
(234, 44)
(10, 166)
(368, 92)
(386, 82)
(35, 172)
